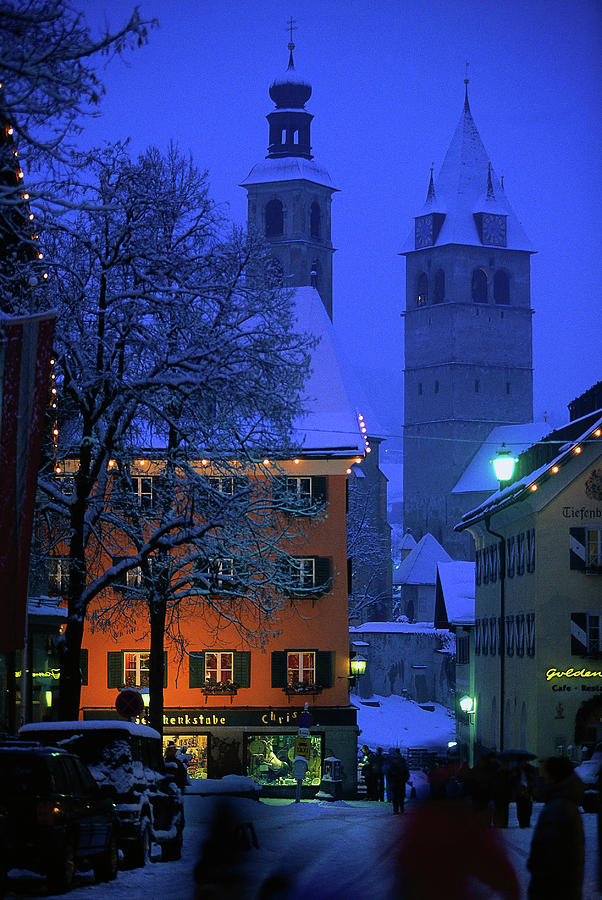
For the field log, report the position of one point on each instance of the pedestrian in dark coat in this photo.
(523, 778)
(501, 793)
(557, 854)
(369, 773)
(175, 767)
(397, 778)
(380, 767)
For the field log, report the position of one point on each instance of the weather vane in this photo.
(291, 26)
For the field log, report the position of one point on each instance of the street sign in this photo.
(129, 703)
(303, 747)
(304, 719)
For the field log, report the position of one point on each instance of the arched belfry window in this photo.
(315, 224)
(501, 287)
(422, 293)
(274, 218)
(439, 295)
(479, 286)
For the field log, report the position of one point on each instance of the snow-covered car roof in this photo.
(93, 725)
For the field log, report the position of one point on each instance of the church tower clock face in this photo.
(493, 229)
(424, 231)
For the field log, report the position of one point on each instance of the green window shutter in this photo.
(242, 668)
(196, 669)
(165, 668)
(323, 573)
(319, 488)
(83, 665)
(114, 669)
(279, 668)
(324, 667)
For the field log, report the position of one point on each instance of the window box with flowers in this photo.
(221, 688)
(302, 687)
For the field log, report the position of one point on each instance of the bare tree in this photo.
(48, 84)
(175, 342)
(369, 555)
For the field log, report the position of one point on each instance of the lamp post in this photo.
(503, 465)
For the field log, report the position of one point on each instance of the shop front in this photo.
(260, 744)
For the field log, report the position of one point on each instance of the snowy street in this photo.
(341, 849)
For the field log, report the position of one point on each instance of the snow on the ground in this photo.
(335, 851)
(398, 722)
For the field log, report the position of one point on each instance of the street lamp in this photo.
(357, 664)
(503, 464)
(467, 704)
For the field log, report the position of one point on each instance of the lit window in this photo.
(143, 491)
(301, 667)
(219, 667)
(135, 669)
(300, 488)
(215, 574)
(594, 548)
(222, 484)
(303, 572)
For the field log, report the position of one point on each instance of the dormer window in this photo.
(274, 218)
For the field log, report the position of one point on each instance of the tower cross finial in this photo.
(291, 26)
(466, 80)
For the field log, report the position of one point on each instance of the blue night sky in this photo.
(388, 92)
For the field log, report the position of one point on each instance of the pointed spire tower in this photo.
(289, 194)
(468, 345)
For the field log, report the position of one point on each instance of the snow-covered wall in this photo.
(413, 660)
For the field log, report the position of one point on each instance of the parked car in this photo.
(127, 760)
(590, 771)
(54, 818)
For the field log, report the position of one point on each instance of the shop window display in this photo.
(192, 749)
(270, 759)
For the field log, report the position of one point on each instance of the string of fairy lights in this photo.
(8, 139)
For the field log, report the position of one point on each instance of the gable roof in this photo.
(420, 565)
(329, 424)
(457, 580)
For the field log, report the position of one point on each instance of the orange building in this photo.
(232, 707)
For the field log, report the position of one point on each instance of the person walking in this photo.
(557, 856)
(397, 778)
(380, 767)
(175, 766)
(524, 786)
(369, 773)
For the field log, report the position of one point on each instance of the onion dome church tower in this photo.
(289, 194)
(468, 347)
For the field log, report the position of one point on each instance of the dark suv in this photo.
(54, 818)
(126, 760)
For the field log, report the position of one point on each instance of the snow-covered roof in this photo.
(461, 190)
(420, 565)
(288, 168)
(479, 475)
(394, 628)
(521, 489)
(330, 424)
(93, 725)
(457, 580)
(46, 606)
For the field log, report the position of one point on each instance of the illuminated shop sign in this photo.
(272, 718)
(553, 674)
